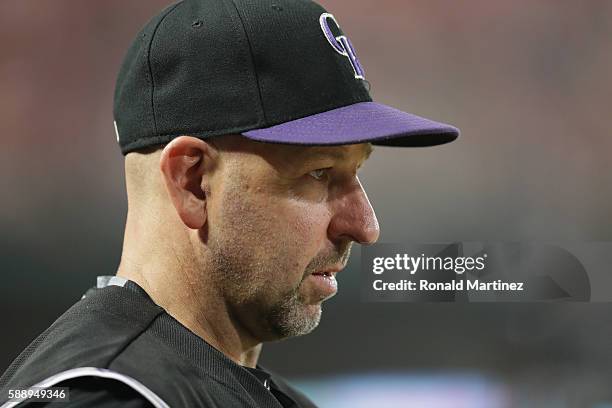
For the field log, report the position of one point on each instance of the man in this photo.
(243, 126)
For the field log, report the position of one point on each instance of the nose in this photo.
(353, 216)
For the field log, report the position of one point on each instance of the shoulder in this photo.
(92, 333)
(89, 336)
(99, 388)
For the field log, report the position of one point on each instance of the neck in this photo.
(185, 294)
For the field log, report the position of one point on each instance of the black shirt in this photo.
(116, 347)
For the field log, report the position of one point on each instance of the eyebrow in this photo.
(339, 155)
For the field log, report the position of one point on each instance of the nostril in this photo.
(197, 24)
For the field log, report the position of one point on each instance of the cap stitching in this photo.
(149, 62)
(248, 40)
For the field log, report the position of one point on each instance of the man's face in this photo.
(281, 222)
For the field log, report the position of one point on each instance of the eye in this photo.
(320, 174)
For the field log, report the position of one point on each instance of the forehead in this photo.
(294, 155)
(252, 156)
(357, 151)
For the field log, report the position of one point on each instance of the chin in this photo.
(296, 321)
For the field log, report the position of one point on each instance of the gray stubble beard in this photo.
(242, 290)
(290, 318)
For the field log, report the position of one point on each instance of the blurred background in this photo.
(529, 85)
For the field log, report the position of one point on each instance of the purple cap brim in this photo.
(359, 123)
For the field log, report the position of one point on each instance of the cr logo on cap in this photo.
(341, 44)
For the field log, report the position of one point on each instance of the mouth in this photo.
(323, 284)
(324, 280)
(325, 274)
(329, 272)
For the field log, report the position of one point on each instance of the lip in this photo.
(332, 271)
(324, 281)
(322, 286)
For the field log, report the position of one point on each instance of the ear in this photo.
(186, 164)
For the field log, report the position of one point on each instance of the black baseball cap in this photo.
(272, 70)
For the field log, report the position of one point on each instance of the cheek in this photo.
(277, 235)
(288, 235)
(307, 223)
(302, 231)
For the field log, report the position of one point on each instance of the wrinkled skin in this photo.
(274, 223)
